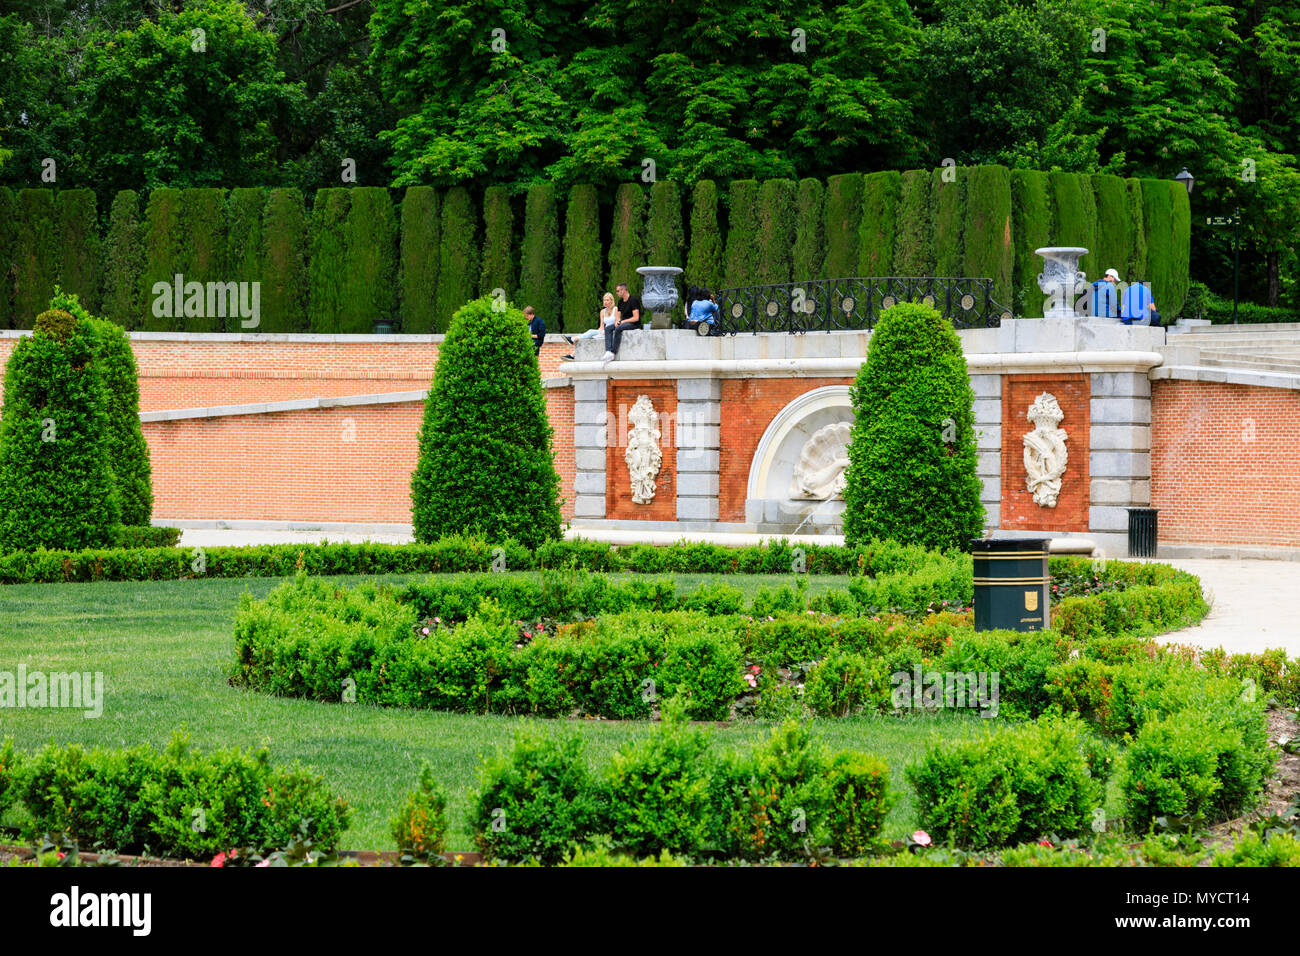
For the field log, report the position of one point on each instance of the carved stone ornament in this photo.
(1045, 452)
(823, 460)
(643, 456)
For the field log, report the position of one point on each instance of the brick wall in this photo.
(350, 464)
(1225, 463)
(748, 407)
(1019, 511)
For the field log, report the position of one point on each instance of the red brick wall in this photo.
(748, 407)
(350, 464)
(620, 396)
(1225, 463)
(1019, 511)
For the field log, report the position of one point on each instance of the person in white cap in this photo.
(1105, 296)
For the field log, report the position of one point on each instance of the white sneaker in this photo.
(609, 356)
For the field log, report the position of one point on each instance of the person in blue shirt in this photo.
(704, 311)
(1105, 296)
(1137, 305)
(536, 327)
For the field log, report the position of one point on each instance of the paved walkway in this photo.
(1254, 605)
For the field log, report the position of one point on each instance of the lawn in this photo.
(163, 647)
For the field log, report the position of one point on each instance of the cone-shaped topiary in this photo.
(128, 453)
(56, 485)
(485, 463)
(912, 462)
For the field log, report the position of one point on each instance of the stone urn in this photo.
(1061, 279)
(659, 293)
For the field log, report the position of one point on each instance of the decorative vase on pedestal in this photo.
(1061, 280)
(659, 293)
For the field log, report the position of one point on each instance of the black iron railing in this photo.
(830, 305)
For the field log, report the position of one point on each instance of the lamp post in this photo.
(1187, 179)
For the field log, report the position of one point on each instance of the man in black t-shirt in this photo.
(629, 317)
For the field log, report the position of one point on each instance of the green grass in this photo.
(164, 646)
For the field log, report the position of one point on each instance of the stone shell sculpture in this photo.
(643, 456)
(819, 474)
(1045, 453)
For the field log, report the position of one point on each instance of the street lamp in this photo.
(1187, 179)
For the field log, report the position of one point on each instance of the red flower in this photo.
(218, 860)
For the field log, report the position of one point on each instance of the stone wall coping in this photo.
(1227, 376)
(291, 405)
(977, 363)
(293, 338)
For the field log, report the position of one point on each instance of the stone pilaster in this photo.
(698, 431)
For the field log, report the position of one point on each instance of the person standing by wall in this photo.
(536, 327)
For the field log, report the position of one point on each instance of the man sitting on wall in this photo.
(629, 317)
(1137, 305)
(1105, 296)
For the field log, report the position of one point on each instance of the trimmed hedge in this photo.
(704, 258)
(368, 291)
(989, 248)
(539, 273)
(499, 266)
(881, 194)
(36, 252)
(582, 272)
(808, 255)
(1114, 227)
(202, 255)
(627, 240)
(1031, 228)
(328, 249)
(8, 249)
(284, 248)
(124, 302)
(1074, 217)
(141, 800)
(420, 249)
(948, 203)
(79, 253)
(740, 266)
(843, 218)
(914, 234)
(665, 237)
(485, 464)
(245, 255)
(458, 256)
(776, 230)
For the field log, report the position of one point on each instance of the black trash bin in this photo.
(1142, 532)
(1012, 584)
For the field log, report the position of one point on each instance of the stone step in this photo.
(1259, 327)
(1254, 364)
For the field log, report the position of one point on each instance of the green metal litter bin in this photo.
(1012, 584)
(1142, 532)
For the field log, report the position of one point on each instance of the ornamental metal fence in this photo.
(832, 305)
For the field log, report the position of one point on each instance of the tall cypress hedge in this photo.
(948, 200)
(740, 264)
(627, 238)
(914, 231)
(665, 237)
(539, 272)
(56, 484)
(876, 231)
(163, 254)
(36, 262)
(420, 250)
(498, 235)
(1031, 228)
(123, 249)
(245, 208)
(843, 219)
(776, 227)
(1114, 228)
(328, 249)
(7, 250)
(369, 292)
(458, 255)
(1074, 217)
(808, 257)
(1158, 220)
(80, 261)
(284, 272)
(1180, 250)
(485, 458)
(1137, 263)
(704, 260)
(989, 248)
(582, 264)
(203, 252)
